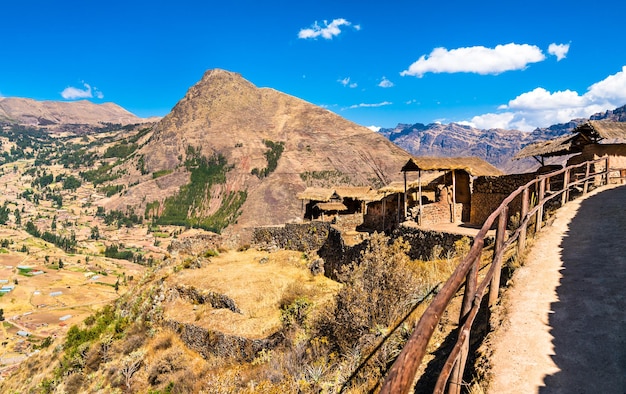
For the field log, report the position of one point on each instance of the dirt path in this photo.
(565, 331)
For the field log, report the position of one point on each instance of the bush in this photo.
(378, 290)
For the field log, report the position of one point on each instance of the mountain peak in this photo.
(226, 116)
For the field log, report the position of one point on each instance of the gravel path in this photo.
(565, 330)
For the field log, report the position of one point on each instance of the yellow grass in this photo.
(256, 281)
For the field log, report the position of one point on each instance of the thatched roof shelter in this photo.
(355, 192)
(590, 132)
(472, 165)
(317, 194)
(331, 206)
(398, 186)
(609, 132)
(563, 145)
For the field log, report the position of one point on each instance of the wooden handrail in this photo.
(401, 376)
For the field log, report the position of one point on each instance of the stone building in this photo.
(588, 141)
(330, 203)
(441, 193)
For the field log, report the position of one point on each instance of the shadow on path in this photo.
(589, 320)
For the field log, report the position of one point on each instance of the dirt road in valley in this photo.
(565, 330)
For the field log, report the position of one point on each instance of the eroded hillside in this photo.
(268, 145)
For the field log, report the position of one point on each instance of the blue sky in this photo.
(488, 63)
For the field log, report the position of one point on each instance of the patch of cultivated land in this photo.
(44, 299)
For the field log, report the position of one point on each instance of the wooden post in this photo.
(471, 283)
(587, 172)
(419, 186)
(542, 191)
(565, 195)
(453, 219)
(405, 203)
(384, 195)
(521, 241)
(398, 218)
(497, 254)
(456, 377)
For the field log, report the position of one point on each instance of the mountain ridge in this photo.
(26, 111)
(497, 146)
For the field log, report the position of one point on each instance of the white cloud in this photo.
(541, 108)
(346, 82)
(385, 83)
(374, 128)
(558, 50)
(72, 93)
(327, 31)
(541, 99)
(478, 59)
(612, 89)
(375, 105)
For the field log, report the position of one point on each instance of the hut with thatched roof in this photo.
(453, 189)
(588, 141)
(329, 203)
(441, 192)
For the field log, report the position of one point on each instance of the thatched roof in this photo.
(563, 145)
(603, 130)
(355, 192)
(593, 131)
(398, 186)
(472, 165)
(362, 193)
(316, 194)
(331, 206)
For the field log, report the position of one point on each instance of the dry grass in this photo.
(257, 282)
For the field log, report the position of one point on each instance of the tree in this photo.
(4, 214)
(71, 183)
(131, 364)
(61, 265)
(18, 217)
(95, 233)
(1, 314)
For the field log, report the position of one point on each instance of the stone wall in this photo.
(337, 254)
(208, 342)
(490, 191)
(303, 237)
(424, 242)
(330, 246)
(382, 217)
(438, 212)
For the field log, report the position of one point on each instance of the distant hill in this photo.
(30, 112)
(260, 147)
(496, 146)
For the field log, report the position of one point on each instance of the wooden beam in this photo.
(419, 186)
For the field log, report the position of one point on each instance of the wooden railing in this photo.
(401, 376)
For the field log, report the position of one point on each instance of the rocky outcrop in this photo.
(197, 296)
(208, 342)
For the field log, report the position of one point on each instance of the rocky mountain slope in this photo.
(52, 113)
(496, 146)
(271, 146)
